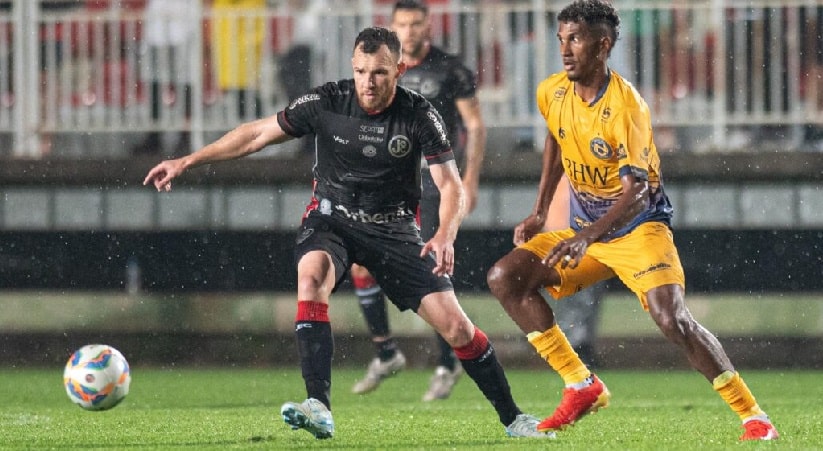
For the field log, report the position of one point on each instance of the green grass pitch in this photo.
(201, 409)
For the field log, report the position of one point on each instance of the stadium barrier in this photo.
(718, 74)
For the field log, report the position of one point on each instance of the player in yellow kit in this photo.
(600, 136)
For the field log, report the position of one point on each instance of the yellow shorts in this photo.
(644, 259)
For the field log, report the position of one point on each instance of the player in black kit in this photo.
(451, 88)
(371, 136)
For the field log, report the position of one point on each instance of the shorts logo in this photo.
(399, 146)
(601, 149)
(369, 151)
(304, 235)
(655, 267)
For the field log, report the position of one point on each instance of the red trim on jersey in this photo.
(439, 156)
(475, 348)
(312, 311)
(314, 203)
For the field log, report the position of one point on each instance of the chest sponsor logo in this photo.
(371, 133)
(379, 129)
(601, 149)
(374, 218)
(369, 151)
(399, 146)
(583, 173)
(370, 138)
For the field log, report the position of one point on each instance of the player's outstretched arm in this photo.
(246, 139)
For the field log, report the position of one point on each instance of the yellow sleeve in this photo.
(633, 135)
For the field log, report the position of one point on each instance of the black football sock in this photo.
(386, 349)
(315, 345)
(373, 304)
(487, 373)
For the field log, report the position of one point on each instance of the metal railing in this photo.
(90, 81)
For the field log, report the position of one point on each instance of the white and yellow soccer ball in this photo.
(97, 377)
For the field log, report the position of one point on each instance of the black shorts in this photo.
(390, 251)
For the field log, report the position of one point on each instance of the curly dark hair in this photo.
(374, 37)
(594, 13)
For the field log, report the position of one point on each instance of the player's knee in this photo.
(497, 278)
(675, 324)
(309, 283)
(457, 332)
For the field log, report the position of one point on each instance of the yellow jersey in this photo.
(600, 142)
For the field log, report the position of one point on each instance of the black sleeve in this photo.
(433, 137)
(465, 83)
(300, 117)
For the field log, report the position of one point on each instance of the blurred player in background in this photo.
(600, 134)
(170, 35)
(451, 88)
(371, 136)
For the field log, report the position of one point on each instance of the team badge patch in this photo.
(304, 234)
(399, 146)
(601, 149)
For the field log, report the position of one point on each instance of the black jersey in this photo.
(442, 79)
(367, 163)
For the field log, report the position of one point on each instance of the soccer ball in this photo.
(97, 377)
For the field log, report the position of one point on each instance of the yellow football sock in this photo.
(737, 395)
(555, 349)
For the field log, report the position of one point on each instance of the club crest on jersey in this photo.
(559, 93)
(399, 146)
(429, 88)
(601, 149)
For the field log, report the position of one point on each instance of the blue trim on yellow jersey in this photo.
(602, 88)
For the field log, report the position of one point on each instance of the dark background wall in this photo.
(187, 261)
